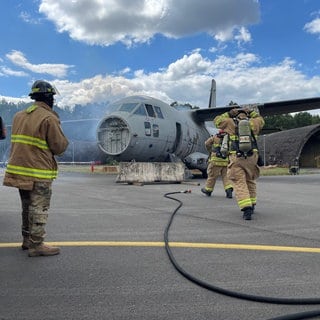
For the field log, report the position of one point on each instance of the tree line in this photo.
(289, 121)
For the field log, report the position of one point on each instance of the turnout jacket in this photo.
(36, 138)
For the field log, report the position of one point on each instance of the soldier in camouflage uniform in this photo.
(242, 169)
(35, 140)
(217, 165)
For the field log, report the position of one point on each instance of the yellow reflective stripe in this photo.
(219, 161)
(32, 172)
(228, 186)
(31, 108)
(21, 138)
(244, 203)
(233, 137)
(220, 118)
(253, 200)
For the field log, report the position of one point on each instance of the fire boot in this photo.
(36, 250)
(229, 193)
(247, 212)
(206, 192)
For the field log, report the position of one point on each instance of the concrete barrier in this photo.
(141, 172)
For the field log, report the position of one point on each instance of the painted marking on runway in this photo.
(171, 244)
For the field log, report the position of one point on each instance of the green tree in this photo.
(302, 119)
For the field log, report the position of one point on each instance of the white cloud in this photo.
(138, 21)
(243, 35)
(313, 26)
(9, 72)
(15, 100)
(26, 17)
(241, 78)
(56, 70)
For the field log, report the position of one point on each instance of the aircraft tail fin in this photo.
(213, 92)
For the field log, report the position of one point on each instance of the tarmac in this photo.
(113, 263)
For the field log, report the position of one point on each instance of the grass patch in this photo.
(101, 169)
(273, 171)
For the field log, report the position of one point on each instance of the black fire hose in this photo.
(234, 294)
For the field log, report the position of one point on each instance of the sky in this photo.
(97, 51)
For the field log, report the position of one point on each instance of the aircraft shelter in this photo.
(289, 146)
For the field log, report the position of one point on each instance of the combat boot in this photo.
(206, 192)
(25, 243)
(247, 212)
(42, 250)
(229, 193)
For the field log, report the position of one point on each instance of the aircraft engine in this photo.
(113, 135)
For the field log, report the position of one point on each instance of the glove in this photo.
(247, 110)
(233, 112)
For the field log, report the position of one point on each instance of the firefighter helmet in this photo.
(42, 87)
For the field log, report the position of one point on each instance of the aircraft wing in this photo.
(266, 109)
(289, 106)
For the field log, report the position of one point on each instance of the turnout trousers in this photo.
(213, 172)
(243, 173)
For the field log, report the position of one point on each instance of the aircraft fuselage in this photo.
(146, 129)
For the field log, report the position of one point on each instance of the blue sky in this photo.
(102, 50)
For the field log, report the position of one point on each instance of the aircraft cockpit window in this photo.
(150, 110)
(127, 107)
(147, 128)
(158, 112)
(141, 111)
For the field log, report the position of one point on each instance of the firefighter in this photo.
(242, 127)
(36, 139)
(217, 165)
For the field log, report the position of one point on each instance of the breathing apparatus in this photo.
(224, 148)
(244, 132)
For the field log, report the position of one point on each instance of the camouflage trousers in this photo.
(213, 172)
(35, 205)
(243, 173)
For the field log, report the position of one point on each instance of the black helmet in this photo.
(42, 87)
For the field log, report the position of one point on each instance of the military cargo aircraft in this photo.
(145, 129)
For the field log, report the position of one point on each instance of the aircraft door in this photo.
(177, 142)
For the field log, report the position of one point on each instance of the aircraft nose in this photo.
(113, 135)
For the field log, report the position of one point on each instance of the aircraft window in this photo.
(141, 111)
(147, 128)
(150, 110)
(155, 129)
(158, 112)
(127, 107)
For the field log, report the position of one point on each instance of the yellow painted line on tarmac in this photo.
(171, 244)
